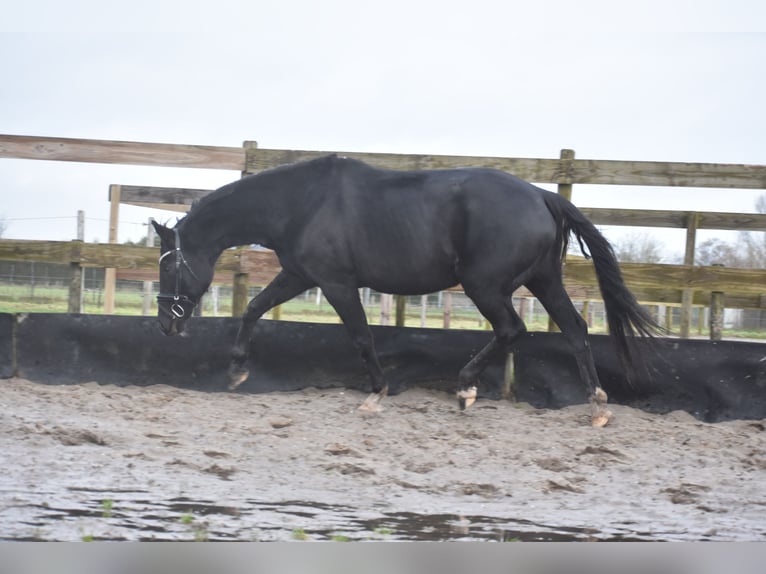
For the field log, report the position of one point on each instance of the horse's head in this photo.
(184, 277)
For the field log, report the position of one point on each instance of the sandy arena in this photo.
(105, 462)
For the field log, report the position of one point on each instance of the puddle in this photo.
(126, 518)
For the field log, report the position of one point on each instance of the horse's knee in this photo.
(506, 337)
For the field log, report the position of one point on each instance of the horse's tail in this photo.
(625, 315)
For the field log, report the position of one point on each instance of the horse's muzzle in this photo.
(171, 326)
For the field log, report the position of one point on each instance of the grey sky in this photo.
(666, 81)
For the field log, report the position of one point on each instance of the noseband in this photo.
(176, 300)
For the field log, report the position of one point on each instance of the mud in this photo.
(106, 462)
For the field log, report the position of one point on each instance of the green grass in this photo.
(21, 299)
(300, 534)
(106, 508)
(186, 518)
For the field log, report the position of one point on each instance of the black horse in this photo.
(341, 224)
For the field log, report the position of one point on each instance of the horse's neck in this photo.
(227, 223)
(258, 210)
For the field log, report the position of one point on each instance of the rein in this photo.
(177, 300)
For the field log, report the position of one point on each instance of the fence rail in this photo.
(121, 152)
(560, 171)
(250, 158)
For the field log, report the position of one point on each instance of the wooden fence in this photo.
(685, 285)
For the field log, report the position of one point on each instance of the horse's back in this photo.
(421, 230)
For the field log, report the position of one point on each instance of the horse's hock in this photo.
(711, 380)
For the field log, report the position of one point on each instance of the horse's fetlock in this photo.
(238, 355)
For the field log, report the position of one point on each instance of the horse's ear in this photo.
(166, 234)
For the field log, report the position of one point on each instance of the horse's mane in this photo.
(234, 186)
(219, 193)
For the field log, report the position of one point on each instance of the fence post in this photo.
(401, 306)
(669, 317)
(76, 278)
(251, 149)
(385, 308)
(239, 294)
(566, 158)
(508, 391)
(110, 273)
(80, 225)
(687, 295)
(215, 292)
(75, 288)
(146, 307)
(74, 303)
(716, 315)
(564, 189)
(447, 309)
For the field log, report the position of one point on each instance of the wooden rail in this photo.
(676, 219)
(172, 198)
(181, 199)
(561, 171)
(121, 152)
(250, 158)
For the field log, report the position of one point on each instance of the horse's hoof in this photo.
(372, 403)
(600, 419)
(466, 397)
(238, 377)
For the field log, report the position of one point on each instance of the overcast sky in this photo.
(654, 80)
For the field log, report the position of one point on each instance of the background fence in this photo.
(683, 295)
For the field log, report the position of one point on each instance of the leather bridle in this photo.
(180, 305)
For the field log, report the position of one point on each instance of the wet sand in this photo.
(106, 462)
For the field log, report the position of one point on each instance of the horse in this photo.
(341, 224)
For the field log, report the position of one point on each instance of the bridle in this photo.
(177, 301)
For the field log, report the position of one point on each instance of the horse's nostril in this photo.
(168, 328)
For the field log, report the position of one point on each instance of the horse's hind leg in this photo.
(553, 296)
(507, 325)
(282, 288)
(345, 301)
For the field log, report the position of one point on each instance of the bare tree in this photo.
(719, 252)
(748, 251)
(639, 247)
(754, 242)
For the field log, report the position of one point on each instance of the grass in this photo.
(199, 531)
(186, 518)
(201, 535)
(300, 534)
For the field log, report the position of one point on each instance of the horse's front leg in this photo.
(345, 301)
(282, 288)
